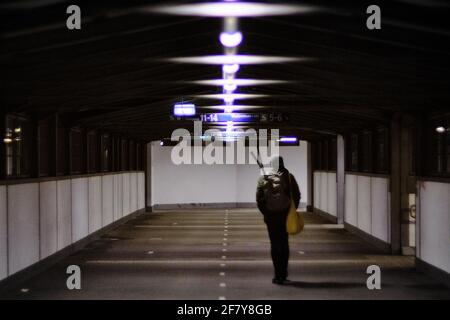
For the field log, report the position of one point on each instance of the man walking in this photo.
(273, 196)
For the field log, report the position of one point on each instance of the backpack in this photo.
(276, 197)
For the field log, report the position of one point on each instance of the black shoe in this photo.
(279, 281)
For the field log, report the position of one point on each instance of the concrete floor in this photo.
(224, 254)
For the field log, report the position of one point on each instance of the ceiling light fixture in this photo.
(231, 59)
(238, 82)
(235, 96)
(230, 126)
(230, 87)
(287, 139)
(228, 109)
(235, 107)
(230, 40)
(231, 9)
(184, 109)
(230, 68)
(228, 98)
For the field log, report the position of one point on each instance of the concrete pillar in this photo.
(340, 177)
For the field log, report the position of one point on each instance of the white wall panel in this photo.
(367, 205)
(380, 208)
(324, 191)
(118, 208)
(351, 196)
(126, 194)
(220, 183)
(107, 199)
(295, 159)
(332, 194)
(64, 202)
(317, 190)
(120, 179)
(80, 208)
(3, 234)
(246, 177)
(38, 219)
(23, 225)
(189, 183)
(141, 190)
(49, 218)
(133, 192)
(389, 215)
(435, 224)
(364, 204)
(148, 173)
(95, 204)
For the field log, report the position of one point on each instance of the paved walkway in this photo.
(224, 254)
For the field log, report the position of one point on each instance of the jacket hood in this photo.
(277, 163)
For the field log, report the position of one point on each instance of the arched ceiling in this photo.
(113, 74)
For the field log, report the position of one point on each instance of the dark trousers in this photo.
(279, 242)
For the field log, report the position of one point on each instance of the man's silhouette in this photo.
(273, 197)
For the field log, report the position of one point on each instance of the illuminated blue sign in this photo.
(184, 109)
(225, 117)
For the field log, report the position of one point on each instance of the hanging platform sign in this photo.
(236, 117)
(243, 117)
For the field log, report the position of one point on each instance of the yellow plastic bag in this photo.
(294, 221)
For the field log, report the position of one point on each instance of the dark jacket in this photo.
(260, 199)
